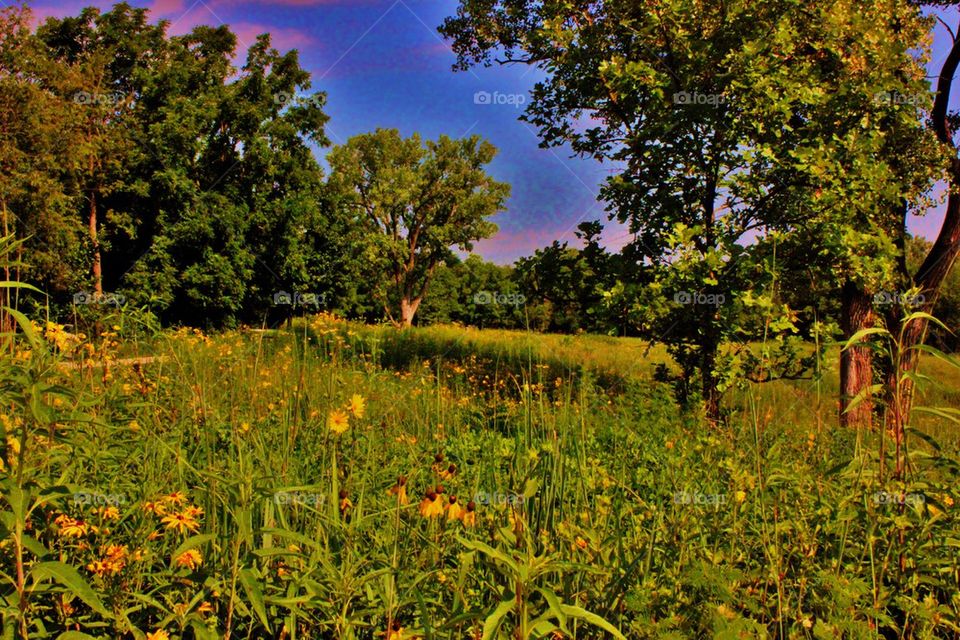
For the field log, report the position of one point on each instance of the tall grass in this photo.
(209, 492)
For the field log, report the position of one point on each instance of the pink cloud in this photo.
(282, 38)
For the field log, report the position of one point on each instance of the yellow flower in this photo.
(182, 522)
(338, 422)
(109, 513)
(155, 507)
(431, 505)
(70, 527)
(357, 405)
(581, 544)
(160, 634)
(469, 518)
(177, 497)
(205, 608)
(400, 490)
(741, 496)
(191, 558)
(395, 632)
(454, 510)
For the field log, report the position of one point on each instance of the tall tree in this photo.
(416, 201)
(106, 58)
(727, 116)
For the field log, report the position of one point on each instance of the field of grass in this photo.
(348, 482)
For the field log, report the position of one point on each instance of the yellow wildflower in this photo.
(357, 405)
(338, 422)
(191, 558)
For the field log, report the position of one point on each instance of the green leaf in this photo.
(495, 619)
(592, 618)
(252, 588)
(72, 580)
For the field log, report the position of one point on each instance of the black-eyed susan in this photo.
(469, 518)
(157, 508)
(395, 632)
(431, 505)
(71, 527)
(344, 501)
(159, 634)
(357, 406)
(191, 559)
(175, 498)
(205, 608)
(338, 422)
(182, 522)
(400, 490)
(449, 472)
(454, 510)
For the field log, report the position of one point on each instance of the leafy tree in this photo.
(415, 202)
(728, 118)
(36, 200)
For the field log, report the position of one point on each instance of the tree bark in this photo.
(856, 363)
(97, 270)
(408, 308)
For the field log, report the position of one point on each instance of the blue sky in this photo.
(383, 64)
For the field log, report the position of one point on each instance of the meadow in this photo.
(334, 480)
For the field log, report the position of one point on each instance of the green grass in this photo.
(597, 507)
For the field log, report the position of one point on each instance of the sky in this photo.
(383, 64)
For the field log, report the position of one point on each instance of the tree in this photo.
(104, 60)
(415, 202)
(728, 118)
(36, 201)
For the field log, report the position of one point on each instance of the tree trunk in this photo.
(408, 308)
(95, 241)
(856, 363)
(708, 379)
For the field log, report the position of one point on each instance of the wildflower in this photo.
(395, 632)
(109, 513)
(357, 405)
(344, 501)
(449, 472)
(400, 490)
(454, 510)
(431, 505)
(182, 522)
(177, 497)
(338, 422)
(159, 634)
(205, 608)
(741, 496)
(581, 544)
(244, 427)
(70, 527)
(191, 558)
(157, 508)
(469, 518)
